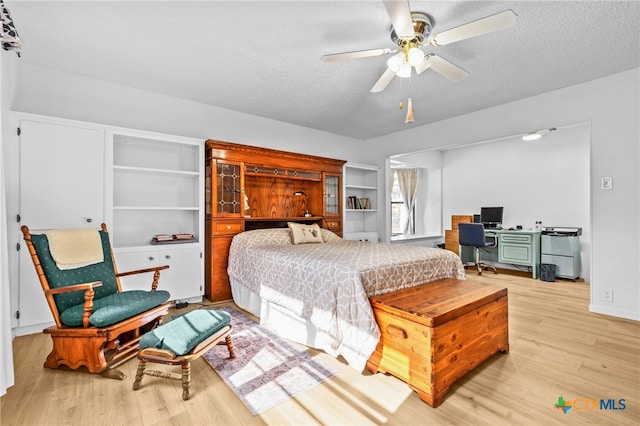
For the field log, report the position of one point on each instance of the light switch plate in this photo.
(606, 183)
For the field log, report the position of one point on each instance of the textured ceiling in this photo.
(263, 57)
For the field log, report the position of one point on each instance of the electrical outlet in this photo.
(607, 295)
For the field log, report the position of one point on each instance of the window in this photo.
(398, 211)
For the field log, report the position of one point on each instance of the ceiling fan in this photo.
(410, 30)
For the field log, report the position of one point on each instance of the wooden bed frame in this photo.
(268, 179)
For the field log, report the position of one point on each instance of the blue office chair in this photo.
(472, 234)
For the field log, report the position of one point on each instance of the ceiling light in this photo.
(405, 70)
(395, 62)
(533, 136)
(415, 56)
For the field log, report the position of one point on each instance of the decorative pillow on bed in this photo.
(329, 237)
(302, 234)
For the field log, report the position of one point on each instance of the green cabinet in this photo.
(520, 248)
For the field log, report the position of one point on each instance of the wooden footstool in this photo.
(181, 341)
(435, 333)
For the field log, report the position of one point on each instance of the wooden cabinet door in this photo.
(220, 286)
(227, 192)
(332, 194)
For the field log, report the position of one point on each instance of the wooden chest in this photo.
(435, 333)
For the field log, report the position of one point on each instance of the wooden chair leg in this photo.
(186, 380)
(229, 343)
(139, 374)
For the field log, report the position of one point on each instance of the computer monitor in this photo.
(491, 217)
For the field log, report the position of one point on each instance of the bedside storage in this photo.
(221, 232)
(435, 333)
(227, 227)
(334, 226)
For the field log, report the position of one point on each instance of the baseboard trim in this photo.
(618, 313)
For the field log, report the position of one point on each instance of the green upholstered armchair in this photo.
(97, 325)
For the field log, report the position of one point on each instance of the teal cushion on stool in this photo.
(115, 307)
(184, 333)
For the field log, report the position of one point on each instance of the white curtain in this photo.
(408, 183)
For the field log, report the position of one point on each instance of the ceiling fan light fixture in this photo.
(405, 70)
(395, 62)
(415, 56)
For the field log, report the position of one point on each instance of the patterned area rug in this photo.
(267, 370)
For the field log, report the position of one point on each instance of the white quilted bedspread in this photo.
(329, 283)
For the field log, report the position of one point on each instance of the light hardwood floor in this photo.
(557, 348)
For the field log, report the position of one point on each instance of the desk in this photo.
(514, 247)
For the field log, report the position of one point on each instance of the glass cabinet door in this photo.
(332, 195)
(228, 186)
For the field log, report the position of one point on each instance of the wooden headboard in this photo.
(250, 225)
(264, 181)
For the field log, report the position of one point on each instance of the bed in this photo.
(318, 293)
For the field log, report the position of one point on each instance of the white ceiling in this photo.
(263, 57)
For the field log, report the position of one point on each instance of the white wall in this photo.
(612, 106)
(545, 180)
(45, 91)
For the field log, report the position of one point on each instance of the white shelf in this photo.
(350, 186)
(152, 208)
(127, 248)
(360, 181)
(155, 171)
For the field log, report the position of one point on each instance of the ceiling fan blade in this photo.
(423, 66)
(357, 54)
(445, 68)
(400, 15)
(492, 23)
(383, 81)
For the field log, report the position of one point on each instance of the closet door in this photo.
(61, 175)
(61, 186)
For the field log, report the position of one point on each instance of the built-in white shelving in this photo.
(360, 202)
(157, 187)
